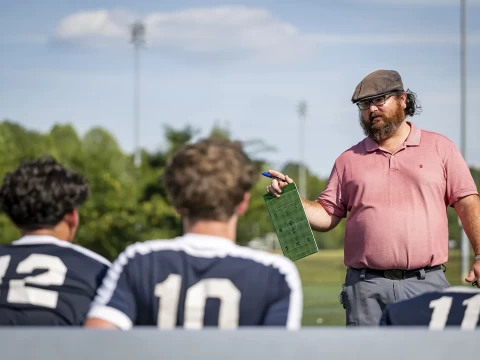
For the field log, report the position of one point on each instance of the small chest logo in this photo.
(420, 166)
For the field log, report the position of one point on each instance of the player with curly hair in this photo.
(45, 280)
(201, 278)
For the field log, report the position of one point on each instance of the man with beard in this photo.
(395, 186)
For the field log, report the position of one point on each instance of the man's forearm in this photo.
(468, 210)
(318, 217)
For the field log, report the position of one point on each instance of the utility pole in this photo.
(137, 32)
(302, 114)
(465, 246)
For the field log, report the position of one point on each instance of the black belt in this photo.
(401, 274)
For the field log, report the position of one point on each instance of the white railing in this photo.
(246, 344)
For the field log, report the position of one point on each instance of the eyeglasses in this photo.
(378, 101)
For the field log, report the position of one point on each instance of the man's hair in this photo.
(412, 102)
(207, 180)
(39, 193)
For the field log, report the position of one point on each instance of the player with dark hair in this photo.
(44, 279)
(201, 278)
(457, 306)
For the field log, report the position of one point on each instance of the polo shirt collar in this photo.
(370, 144)
(413, 139)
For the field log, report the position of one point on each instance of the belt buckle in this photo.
(394, 274)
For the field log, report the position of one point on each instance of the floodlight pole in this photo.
(302, 113)
(465, 246)
(138, 41)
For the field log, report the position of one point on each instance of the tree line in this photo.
(128, 203)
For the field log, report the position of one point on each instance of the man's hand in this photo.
(318, 217)
(468, 210)
(474, 273)
(275, 187)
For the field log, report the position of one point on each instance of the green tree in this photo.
(66, 146)
(129, 204)
(177, 138)
(219, 132)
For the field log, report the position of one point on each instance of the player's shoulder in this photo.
(265, 258)
(39, 240)
(450, 291)
(460, 291)
(427, 297)
(148, 247)
(204, 246)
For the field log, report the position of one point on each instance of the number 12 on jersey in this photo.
(18, 290)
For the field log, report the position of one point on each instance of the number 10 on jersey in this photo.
(168, 292)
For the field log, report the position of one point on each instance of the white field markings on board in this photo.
(303, 233)
(291, 226)
(288, 200)
(302, 252)
(288, 224)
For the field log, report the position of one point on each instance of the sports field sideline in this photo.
(322, 278)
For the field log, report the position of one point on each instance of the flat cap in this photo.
(377, 83)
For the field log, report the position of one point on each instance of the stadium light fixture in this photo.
(302, 114)
(465, 246)
(137, 31)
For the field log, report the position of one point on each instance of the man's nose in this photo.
(373, 107)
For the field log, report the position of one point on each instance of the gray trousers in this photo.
(364, 296)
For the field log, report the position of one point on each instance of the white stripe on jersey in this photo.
(47, 239)
(462, 289)
(112, 315)
(208, 247)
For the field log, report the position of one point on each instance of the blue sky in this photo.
(244, 64)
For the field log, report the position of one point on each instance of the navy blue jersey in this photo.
(455, 306)
(196, 281)
(46, 282)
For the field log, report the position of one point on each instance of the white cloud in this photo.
(251, 32)
(97, 28)
(238, 31)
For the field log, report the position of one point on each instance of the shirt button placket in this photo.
(393, 163)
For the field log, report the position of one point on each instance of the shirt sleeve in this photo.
(332, 196)
(460, 182)
(286, 307)
(115, 300)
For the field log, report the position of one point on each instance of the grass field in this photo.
(322, 277)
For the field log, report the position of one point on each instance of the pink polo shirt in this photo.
(397, 203)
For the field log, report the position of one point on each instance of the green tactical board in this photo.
(290, 222)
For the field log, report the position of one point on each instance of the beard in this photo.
(386, 127)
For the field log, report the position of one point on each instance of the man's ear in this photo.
(72, 219)
(243, 206)
(404, 100)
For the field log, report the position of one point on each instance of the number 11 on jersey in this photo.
(441, 309)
